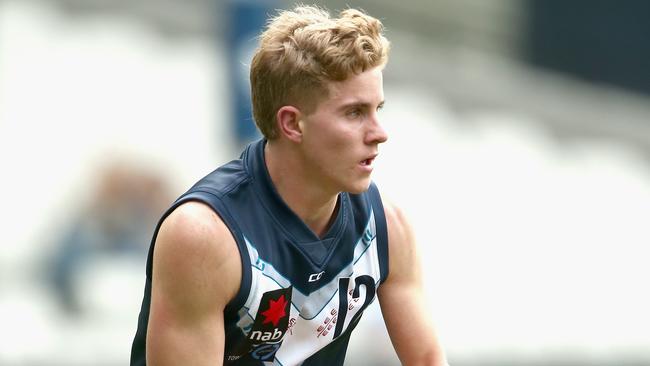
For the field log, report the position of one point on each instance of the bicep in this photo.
(173, 341)
(402, 297)
(193, 249)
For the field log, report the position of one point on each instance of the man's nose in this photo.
(377, 134)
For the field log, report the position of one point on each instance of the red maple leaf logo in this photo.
(276, 311)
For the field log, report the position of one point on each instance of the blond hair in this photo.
(303, 49)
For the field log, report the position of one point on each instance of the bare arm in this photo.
(402, 298)
(196, 272)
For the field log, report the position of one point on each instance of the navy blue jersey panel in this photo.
(138, 348)
(382, 230)
(332, 355)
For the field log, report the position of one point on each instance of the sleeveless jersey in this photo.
(301, 295)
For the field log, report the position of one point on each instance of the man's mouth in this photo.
(368, 161)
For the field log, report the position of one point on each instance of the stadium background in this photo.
(526, 123)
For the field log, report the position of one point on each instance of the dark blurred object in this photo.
(598, 40)
(247, 19)
(118, 222)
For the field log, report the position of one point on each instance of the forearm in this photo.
(410, 326)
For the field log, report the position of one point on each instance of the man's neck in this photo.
(313, 204)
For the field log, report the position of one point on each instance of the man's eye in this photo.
(355, 113)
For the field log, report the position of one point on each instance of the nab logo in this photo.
(267, 333)
(315, 276)
(271, 323)
(266, 336)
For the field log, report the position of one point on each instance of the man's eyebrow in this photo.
(359, 104)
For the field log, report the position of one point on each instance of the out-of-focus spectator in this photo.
(116, 223)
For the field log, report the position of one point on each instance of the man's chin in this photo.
(359, 187)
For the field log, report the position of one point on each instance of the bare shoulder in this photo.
(402, 250)
(400, 231)
(196, 257)
(195, 226)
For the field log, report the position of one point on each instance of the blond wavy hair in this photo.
(302, 50)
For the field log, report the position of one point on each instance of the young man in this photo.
(272, 258)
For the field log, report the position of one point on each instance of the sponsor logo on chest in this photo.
(269, 328)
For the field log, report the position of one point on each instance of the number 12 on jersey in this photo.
(346, 303)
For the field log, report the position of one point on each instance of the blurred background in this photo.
(519, 146)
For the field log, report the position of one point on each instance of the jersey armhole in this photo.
(382, 231)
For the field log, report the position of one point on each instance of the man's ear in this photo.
(289, 122)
